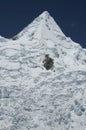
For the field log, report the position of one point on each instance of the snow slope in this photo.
(33, 97)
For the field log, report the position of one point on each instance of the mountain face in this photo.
(42, 79)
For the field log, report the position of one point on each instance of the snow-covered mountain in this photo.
(42, 79)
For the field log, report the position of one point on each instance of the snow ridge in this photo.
(42, 79)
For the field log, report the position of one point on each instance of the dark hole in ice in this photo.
(48, 62)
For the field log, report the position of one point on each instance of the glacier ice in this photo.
(33, 97)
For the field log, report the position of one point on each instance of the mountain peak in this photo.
(45, 23)
(45, 14)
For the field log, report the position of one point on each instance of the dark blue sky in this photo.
(69, 14)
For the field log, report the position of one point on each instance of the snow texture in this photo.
(33, 97)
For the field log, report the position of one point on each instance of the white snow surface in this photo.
(32, 97)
